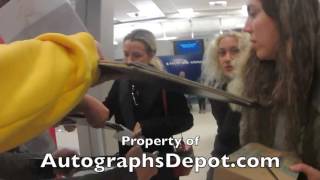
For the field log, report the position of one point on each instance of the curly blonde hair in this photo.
(212, 72)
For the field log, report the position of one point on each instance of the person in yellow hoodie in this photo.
(42, 80)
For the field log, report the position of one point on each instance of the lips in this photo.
(228, 68)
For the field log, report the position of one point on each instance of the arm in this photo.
(111, 101)
(178, 119)
(41, 81)
(94, 110)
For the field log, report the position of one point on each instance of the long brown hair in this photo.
(286, 82)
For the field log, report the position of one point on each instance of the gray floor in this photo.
(205, 127)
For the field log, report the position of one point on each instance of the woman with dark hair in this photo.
(145, 107)
(283, 73)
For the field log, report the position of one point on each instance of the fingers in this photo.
(137, 134)
(310, 172)
(301, 168)
(143, 173)
(64, 172)
(102, 57)
(99, 50)
(135, 151)
(137, 130)
(137, 127)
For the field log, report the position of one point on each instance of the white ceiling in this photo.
(208, 20)
(170, 7)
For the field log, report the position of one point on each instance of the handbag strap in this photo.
(165, 102)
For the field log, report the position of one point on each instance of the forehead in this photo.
(228, 41)
(133, 45)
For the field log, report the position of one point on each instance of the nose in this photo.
(228, 57)
(247, 27)
(129, 59)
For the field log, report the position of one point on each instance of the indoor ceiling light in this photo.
(187, 12)
(167, 38)
(218, 3)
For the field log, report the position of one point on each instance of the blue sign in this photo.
(192, 46)
(190, 64)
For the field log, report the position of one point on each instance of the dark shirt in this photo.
(227, 138)
(132, 102)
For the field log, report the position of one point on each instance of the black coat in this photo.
(146, 106)
(227, 139)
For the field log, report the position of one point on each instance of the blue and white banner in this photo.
(189, 64)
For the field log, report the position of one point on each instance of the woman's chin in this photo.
(262, 55)
(229, 74)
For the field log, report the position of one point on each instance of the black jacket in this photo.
(144, 104)
(227, 139)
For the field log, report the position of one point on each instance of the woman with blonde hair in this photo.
(212, 71)
(145, 107)
(225, 56)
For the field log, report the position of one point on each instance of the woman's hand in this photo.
(95, 112)
(143, 173)
(310, 172)
(137, 130)
(64, 172)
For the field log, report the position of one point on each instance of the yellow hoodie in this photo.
(41, 80)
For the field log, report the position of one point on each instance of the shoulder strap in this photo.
(164, 101)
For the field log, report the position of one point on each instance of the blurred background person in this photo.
(182, 74)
